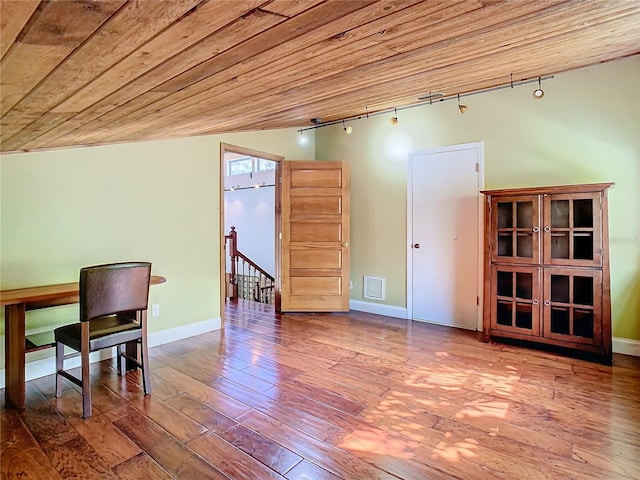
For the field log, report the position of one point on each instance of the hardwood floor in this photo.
(330, 396)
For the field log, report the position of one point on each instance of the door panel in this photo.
(317, 205)
(302, 230)
(315, 236)
(309, 259)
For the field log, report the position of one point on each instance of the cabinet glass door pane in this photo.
(560, 320)
(505, 215)
(524, 316)
(560, 214)
(524, 245)
(504, 313)
(583, 213)
(524, 215)
(505, 284)
(583, 245)
(524, 285)
(560, 289)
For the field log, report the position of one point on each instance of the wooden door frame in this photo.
(479, 147)
(227, 147)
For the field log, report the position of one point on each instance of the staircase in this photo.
(245, 279)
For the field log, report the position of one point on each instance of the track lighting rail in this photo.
(428, 100)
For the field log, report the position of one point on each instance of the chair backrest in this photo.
(113, 288)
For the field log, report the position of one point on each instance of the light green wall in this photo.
(585, 129)
(156, 201)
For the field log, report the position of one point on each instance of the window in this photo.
(244, 165)
(240, 165)
(264, 165)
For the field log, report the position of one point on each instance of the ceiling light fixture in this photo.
(462, 108)
(394, 119)
(538, 93)
(432, 97)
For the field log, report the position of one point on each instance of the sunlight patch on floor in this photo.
(457, 451)
(378, 443)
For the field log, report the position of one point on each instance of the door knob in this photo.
(416, 245)
(345, 244)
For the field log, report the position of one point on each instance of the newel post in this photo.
(233, 249)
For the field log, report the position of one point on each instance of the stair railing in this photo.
(246, 279)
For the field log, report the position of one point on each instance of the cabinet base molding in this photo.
(584, 352)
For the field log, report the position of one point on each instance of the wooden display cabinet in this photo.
(547, 267)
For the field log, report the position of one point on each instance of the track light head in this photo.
(462, 108)
(538, 93)
(346, 129)
(394, 120)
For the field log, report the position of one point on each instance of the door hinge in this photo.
(280, 235)
(478, 301)
(477, 167)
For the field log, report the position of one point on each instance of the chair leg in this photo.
(59, 367)
(86, 384)
(144, 361)
(122, 366)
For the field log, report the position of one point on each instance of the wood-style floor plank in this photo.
(335, 396)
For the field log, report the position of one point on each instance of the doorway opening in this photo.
(249, 226)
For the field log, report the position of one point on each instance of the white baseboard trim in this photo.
(626, 346)
(47, 366)
(378, 308)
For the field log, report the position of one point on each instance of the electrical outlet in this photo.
(350, 285)
(155, 309)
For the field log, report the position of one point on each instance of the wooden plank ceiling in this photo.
(91, 72)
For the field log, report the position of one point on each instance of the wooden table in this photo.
(16, 303)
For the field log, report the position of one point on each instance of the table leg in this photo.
(14, 356)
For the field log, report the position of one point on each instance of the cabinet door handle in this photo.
(536, 229)
(547, 303)
(535, 301)
(547, 229)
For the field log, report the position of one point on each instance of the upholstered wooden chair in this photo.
(113, 312)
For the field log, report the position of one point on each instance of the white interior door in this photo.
(445, 248)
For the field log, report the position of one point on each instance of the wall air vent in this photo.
(373, 288)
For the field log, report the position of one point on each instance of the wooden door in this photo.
(315, 237)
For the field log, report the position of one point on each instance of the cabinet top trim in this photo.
(583, 187)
